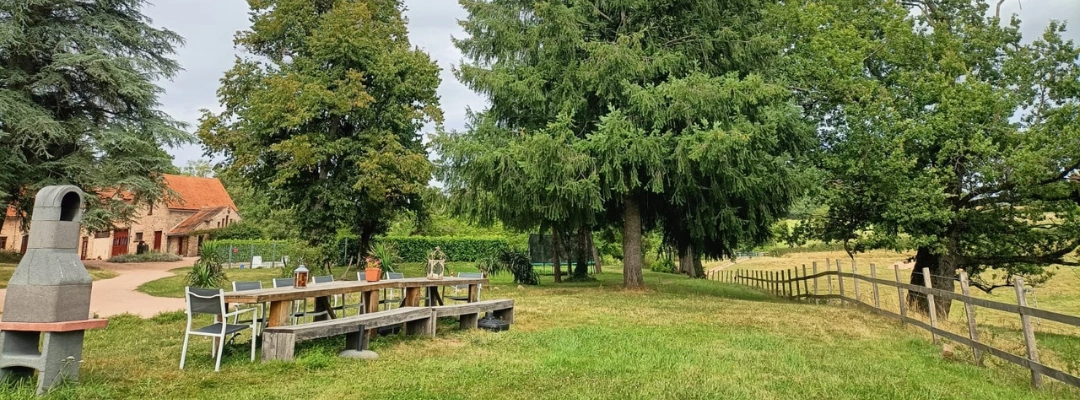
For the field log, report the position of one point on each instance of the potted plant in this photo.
(372, 270)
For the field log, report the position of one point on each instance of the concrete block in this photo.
(50, 267)
(53, 203)
(54, 235)
(32, 303)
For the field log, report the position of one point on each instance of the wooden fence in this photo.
(805, 286)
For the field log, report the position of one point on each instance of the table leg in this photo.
(412, 297)
(323, 304)
(474, 293)
(279, 313)
(371, 303)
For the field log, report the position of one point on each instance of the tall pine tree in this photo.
(78, 104)
(640, 113)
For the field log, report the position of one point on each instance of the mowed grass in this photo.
(680, 339)
(6, 270)
(1059, 344)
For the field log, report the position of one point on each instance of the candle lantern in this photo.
(436, 264)
(300, 276)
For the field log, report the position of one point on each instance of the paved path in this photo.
(117, 295)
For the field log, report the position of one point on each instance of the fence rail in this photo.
(795, 286)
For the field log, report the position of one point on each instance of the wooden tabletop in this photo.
(341, 287)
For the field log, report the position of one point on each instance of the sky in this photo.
(208, 27)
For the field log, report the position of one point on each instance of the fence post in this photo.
(772, 282)
(840, 280)
(900, 296)
(792, 286)
(855, 280)
(874, 287)
(816, 301)
(828, 278)
(786, 287)
(805, 281)
(970, 311)
(930, 303)
(1029, 333)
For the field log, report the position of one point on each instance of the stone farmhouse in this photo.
(177, 226)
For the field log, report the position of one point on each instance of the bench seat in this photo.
(279, 343)
(469, 313)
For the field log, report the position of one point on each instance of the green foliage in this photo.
(241, 251)
(387, 255)
(665, 265)
(323, 115)
(942, 126)
(145, 257)
(207, 273)
(10, 257)
(416, 248)
(516, 262)
(653, 113)
(244, 230)
(80, 105)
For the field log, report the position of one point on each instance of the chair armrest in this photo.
(238, 312)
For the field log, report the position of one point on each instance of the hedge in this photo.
(409, 248)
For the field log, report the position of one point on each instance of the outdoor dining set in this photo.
(280, 316)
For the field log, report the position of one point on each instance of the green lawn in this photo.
(681, 339)
(7, 269)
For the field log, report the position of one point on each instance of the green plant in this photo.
(238, 231)
(663, 264)
(416, 248)
(513, 261)
(10, 257)
(145, 257)
(387, 255)
(207, 273)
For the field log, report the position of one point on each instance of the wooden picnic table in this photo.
(281, 298)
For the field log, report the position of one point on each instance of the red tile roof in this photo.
(197, 193)
(192, 223)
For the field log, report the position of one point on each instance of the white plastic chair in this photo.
(212, 302)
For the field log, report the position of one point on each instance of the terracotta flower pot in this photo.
(372, 274)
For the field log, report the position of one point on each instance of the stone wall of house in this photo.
(11, 235)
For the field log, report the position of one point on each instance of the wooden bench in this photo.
(470, 312)
(279, 343)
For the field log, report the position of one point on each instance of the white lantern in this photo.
(436, 264)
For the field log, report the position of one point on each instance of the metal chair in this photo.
(260, 315)
(465, 298)
(392, 296)
(338, 302)
(212, 302)
(299, 307)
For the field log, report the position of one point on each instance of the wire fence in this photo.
(988, 324)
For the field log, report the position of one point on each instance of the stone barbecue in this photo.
(49, 294)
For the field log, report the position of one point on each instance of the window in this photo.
(151, 210)
(3, 242)
(101, 234)
(138, 236)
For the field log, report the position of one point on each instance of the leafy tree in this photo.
(940, 126)
(79, 105)
(198, 168)
(323, 118)
(628, 112)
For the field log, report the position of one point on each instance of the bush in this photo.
(145, 257)
(10, 257)
(207, 273)
(238, 231)
(416, 248)
(515, 262)
(664, 264)
(242, 250)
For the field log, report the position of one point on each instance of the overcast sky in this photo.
(209, 25)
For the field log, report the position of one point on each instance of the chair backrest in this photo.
(283, 282)
(205, 301)
(360, 276)
(471, 275)
(238, 286)
(395, 275)
(322, 279)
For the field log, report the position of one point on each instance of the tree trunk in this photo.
(632, 257)
(556, 244)
(941, 278)
(582, 269)
(686, 260)
(362, 251)
(596, 255)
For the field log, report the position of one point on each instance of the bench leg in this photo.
(356, 340)
(468, 321)
(420, 327)
(505, 315)
(278, 346)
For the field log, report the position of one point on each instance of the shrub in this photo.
(207, 273)
(145, 257)
(238, 231)
(387, 255)
(10, 257)
(416, 248)
(664, 264)
(515, 262)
